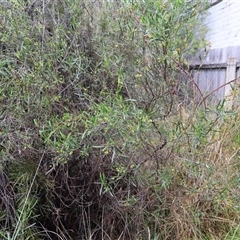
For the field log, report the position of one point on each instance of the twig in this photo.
(234, 80)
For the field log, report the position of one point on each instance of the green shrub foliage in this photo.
(89, 94)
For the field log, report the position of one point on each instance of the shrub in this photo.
(92, 146)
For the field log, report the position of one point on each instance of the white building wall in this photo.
(224, 24)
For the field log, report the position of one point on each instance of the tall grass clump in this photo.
(101, 137)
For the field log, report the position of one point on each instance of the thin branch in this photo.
(216, 89)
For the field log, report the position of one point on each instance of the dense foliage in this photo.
(101, 137)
